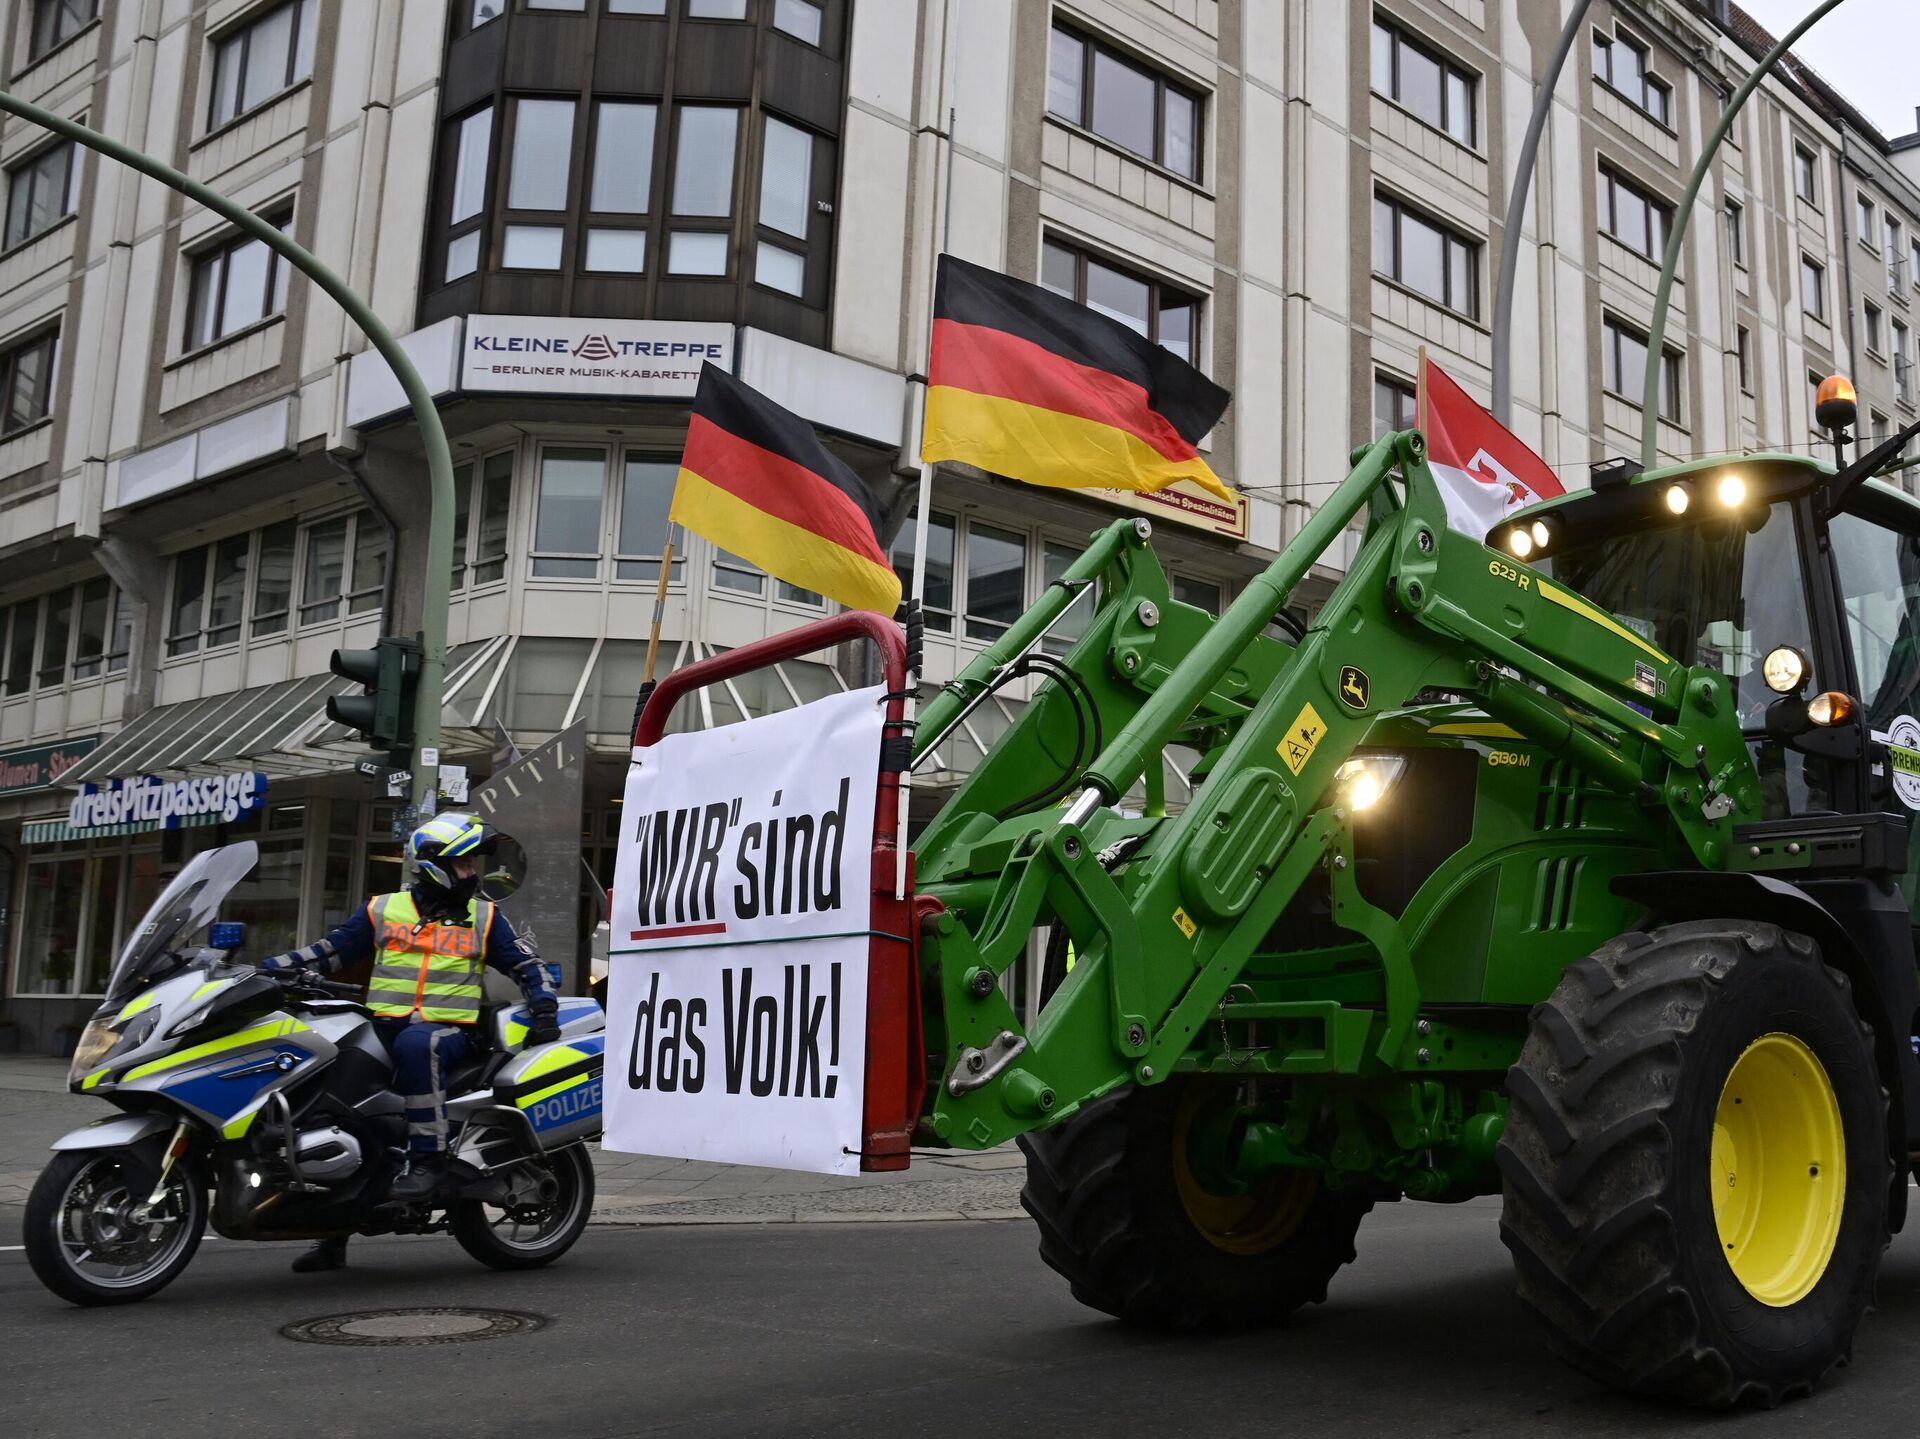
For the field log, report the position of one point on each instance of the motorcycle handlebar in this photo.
(307, 979)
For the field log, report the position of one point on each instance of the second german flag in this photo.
(755, 479)
(1025, 383)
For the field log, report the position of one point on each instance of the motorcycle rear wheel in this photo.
(81, 1237)
(528, 1236)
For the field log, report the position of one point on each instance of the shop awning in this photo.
(273, 728)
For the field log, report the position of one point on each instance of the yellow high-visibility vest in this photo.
(434, 970)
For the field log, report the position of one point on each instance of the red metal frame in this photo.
(896, 1047)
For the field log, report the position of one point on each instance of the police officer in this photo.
(429, 944)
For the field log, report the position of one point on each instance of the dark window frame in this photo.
(739, 201)
(1092, 45)
(1736, 213)
(220, 252)
(1866, 211)
(1612, 182)
(1450, 237)
(452, 129)
(1808, 263)
(1612, 365)
(1806, 166)
(49, 338)
(19, 171)
(44, 34)
(1743, 357)
(241, 33)
(1401, 390)
(1398, 37)
(1162, 294)
(1650, 83)
(813, 249)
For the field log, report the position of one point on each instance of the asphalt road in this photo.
(929, 1328)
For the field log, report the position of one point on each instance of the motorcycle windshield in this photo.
(184, 908)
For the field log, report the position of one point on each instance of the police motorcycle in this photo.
(263, 1104)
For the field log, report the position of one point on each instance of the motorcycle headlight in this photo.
(1363, 781)
(95, 1040)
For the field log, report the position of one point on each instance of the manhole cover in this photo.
(437, 1325)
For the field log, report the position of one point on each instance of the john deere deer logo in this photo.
(1354, 687)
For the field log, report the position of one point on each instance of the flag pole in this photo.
(653, 635)
(923, 500)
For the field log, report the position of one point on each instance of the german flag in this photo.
(1024, 383)
(755, 479)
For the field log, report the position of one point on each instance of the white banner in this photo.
(741, 903)
(563, 355)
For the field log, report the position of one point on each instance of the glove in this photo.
(545, 1028)
(279, 964)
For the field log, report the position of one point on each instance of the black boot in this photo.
(424, 1176)
(327, 1254)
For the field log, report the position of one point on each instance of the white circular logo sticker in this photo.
(1903, 759)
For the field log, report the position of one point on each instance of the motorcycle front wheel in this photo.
(528, 1235)
(90, 1237)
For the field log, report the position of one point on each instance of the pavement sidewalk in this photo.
(35, 1109)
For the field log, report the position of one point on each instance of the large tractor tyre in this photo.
(1695, 1164)
(1127, 1218)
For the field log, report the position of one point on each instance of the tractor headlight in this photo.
(1831, 708)
(1363, 781)
(1784, 670)
(1520, 542)
(1731, 491)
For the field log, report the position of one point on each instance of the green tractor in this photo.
(1573, 867)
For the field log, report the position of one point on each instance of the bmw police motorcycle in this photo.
(263, 1104)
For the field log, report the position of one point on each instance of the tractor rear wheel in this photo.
(1130, 1217)
(1695, 1164)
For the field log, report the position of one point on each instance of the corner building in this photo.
(565, 206)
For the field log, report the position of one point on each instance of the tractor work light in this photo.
(1520, 542)
(1363, 781)
(1678, 498)
(1541, 534)
(1731, 491)
(1784, 670)
(1829, 709)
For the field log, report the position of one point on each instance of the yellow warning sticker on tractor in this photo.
(1184, 924)
(1302, 738)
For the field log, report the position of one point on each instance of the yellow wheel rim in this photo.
(1779, 1169)
(1262, 1218)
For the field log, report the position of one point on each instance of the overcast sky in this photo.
(1868, 50)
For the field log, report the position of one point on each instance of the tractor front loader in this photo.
(1573, 867)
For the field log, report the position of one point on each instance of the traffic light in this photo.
(383, 714)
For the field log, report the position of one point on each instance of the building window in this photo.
(244, 583)
(1743, 357)
(40, 193)
(621, 185)
(1633, 217)
(574, 5)
(256, 61)
(236, 283)
(1877, 428)
(1165, 315)
(646, 493)
(1872, 317)
(1896, 254)
(1621, 64)
(26, 381)
(1806, 175)
(538, 179)
(472, 143)
(1395, 404)
(1902, 365)
(1425, 256)
(1421, 80)
(1737, 233)
(636, 7)
(1624, 361)
(786, 206)
(703, 182)
(1122, 101)
(57, 21)
(485, 10)
(1201, 594)
(566, 526)
(716, 9)
(1913, 265)
(936, 605)
(798, 18)
(1813, 288)
(79, 633)
(996, 580)
(483, 500)
(1869, 230)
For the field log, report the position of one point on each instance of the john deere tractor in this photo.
(1572, 866)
